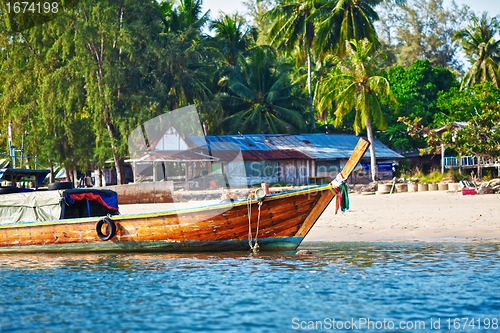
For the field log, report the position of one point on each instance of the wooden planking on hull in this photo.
(316, 212)
(282, 222)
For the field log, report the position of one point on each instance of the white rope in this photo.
(254, 248)
(249, 209)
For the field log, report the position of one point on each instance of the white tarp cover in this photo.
(30, 207)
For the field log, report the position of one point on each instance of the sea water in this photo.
(372, 287)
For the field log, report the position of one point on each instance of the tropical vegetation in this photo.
(355, 87)
(79, 82)
(483, 49)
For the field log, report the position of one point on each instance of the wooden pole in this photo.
(442, 158)
(357, 155)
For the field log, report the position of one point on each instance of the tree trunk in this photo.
(205, 128)
(52, 177)
(373, 158)
(98, 54)
(99, 174)
(309, 88)
(120, 177)
(69, 174)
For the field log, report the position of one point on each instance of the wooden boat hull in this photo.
(284, 222)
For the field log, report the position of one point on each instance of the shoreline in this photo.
(411, 216)
(402, 240)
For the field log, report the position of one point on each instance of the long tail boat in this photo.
(274, 222)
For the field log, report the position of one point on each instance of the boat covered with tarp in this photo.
(40, 206)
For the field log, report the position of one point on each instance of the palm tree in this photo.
(183, 16)
(292, 29)
(343, 20)
(478, 41)
(232, 38)
(355, 87)
(181, 73)
(261, 97)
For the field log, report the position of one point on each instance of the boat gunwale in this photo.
(276, 196)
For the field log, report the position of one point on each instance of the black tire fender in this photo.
(112, 229)
(60, 186)
(9, 189)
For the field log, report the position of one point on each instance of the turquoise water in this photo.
(399, 283)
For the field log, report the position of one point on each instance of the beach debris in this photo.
(447, 180)
(490, 187)
(304, 253)
(393, 184)
(485, 190)
(466, 184)
(372, 187)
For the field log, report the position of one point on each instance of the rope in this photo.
(253, 248)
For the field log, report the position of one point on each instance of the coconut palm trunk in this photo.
(373, 158)
(309, 88)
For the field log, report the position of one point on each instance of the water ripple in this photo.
(235, 292)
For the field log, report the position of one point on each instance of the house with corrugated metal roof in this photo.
(288, 159)
(200, 162)
(293, 159)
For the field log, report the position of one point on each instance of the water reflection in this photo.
(353, 255)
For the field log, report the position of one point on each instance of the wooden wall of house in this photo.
(294, 172)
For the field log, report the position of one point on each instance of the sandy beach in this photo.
(411, 216)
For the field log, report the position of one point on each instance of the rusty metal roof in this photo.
(173, 156)
(291, 146)
(287, 154)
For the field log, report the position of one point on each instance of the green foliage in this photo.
(261, 97)
(232, 38)
(471, 126)
(293, 32)
(422, 30)
(479, 106)
(186, 15)
(417, 90)
(483, 50)
(83, 81)
(256, 10)
(488, 175)
(356, 87)
(434, 176)
(340, 21)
